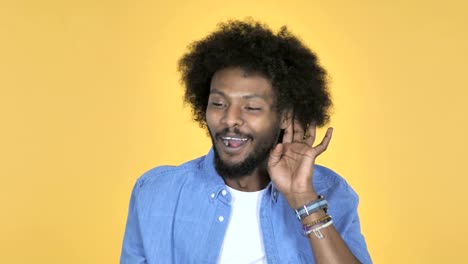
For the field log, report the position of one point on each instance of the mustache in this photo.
(232, 132)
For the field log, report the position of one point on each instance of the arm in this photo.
(291, 168)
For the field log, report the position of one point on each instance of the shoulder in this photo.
(330, 184)
(326, 177)
(167, 175)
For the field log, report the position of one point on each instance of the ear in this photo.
(286, 119)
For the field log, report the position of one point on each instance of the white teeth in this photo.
(226, 140)
(232, 138)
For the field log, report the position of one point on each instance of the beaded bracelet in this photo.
(312, 207)
(324, 219)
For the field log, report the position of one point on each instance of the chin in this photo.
(239, 166)
(231, 159)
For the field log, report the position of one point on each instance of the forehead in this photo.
(236, 82)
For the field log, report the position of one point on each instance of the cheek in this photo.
(264, 126)
(210, 118)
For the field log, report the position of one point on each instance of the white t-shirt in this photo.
(243, 241)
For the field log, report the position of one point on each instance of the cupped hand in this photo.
(291, 163)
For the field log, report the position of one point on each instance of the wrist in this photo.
(313, 217)
(299, 200)
(309, 208)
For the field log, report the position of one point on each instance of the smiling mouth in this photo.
(234, 142)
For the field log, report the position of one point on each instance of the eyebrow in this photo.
(248, 96)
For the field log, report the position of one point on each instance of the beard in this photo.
(255, 159)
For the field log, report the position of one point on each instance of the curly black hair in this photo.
(299, 82)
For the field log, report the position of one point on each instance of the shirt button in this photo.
(223, 192)
(274, 194)
(221, 218)
(212, 195)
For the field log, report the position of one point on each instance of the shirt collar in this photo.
(214, 182)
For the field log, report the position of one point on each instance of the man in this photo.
(257, 196)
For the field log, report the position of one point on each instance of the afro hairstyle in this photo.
(298, 81)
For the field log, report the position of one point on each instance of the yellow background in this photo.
(90, 99)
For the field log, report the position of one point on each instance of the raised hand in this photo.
(291, 163)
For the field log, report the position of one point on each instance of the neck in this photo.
(255, 181)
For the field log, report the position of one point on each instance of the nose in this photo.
(232, 116)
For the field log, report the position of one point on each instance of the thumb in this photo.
(275, 155)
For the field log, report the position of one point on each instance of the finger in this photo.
(275, 155)
(309, 139)
(298, 132)
(288, 133)
(325, 141)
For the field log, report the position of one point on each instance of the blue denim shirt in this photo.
(178, 214)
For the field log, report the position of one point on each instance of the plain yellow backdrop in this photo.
(90, 99)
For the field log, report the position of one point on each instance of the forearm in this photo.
(329, 247)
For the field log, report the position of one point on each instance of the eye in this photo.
(250, 108)
(217, 104)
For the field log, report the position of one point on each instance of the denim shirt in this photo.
(179, 214)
